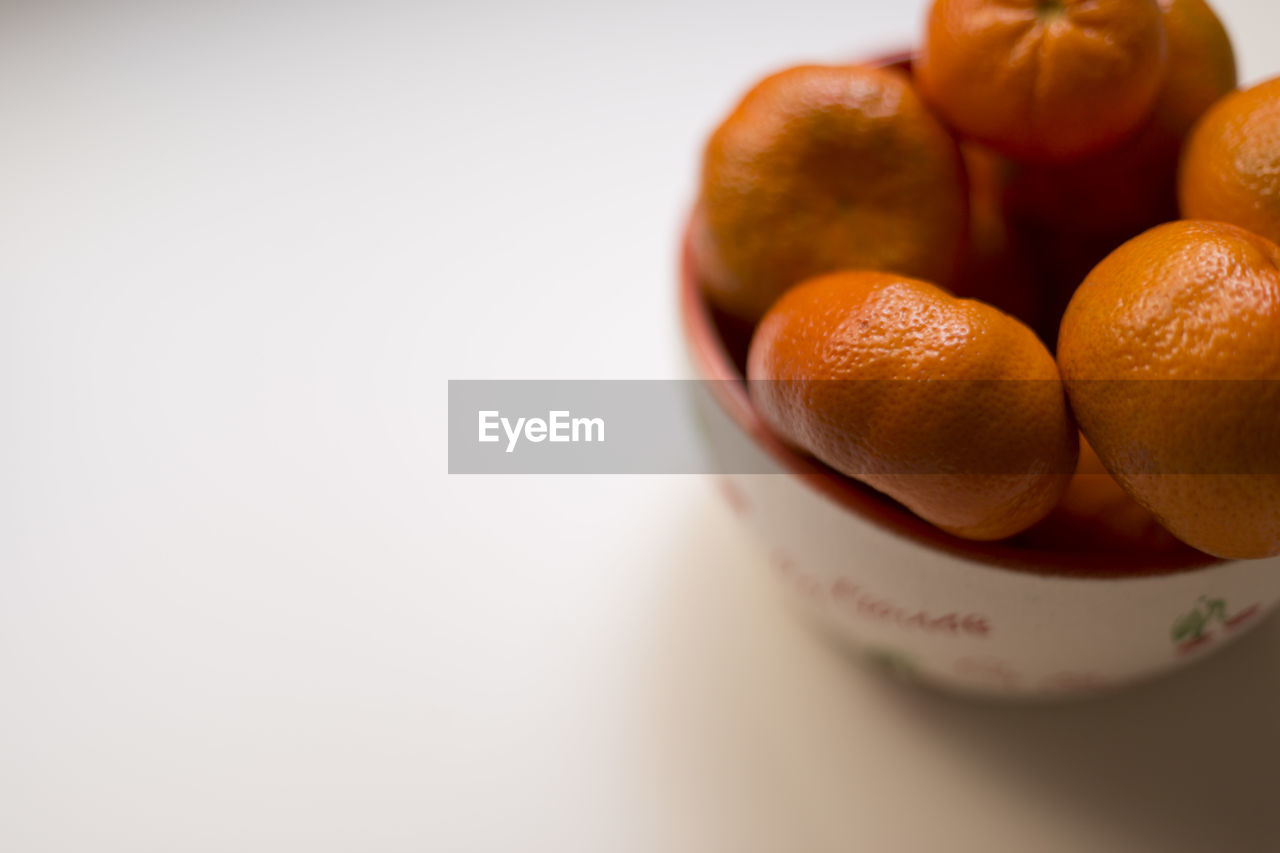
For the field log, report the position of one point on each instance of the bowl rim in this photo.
(712, 361)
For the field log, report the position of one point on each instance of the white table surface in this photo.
(244, 607)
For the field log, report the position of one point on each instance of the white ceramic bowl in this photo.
(999, 619)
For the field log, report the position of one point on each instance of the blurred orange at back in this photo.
(1126, 189)
(1043, 80)
(822, 168)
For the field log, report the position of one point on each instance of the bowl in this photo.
(993, 618)
(1000, 619)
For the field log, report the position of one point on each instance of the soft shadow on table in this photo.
(773, 739)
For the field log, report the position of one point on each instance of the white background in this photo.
(242, 604)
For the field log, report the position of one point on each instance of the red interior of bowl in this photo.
(718, 344)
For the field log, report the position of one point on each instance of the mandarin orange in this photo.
(1231, 167)
(822, 168)
(1169, 353)
(1132, 186)
(1096, 515)
(948, 405)
(1043, 80)
(998, 268)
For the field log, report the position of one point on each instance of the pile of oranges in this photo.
(1029, 281)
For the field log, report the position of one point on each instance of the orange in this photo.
(1132, 186)
(1231, 168)
(947, 405)
(1169, 355)
(997, 268)
(1096, 515)
(821, 168)
(1202, 65)
(1043, 80)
